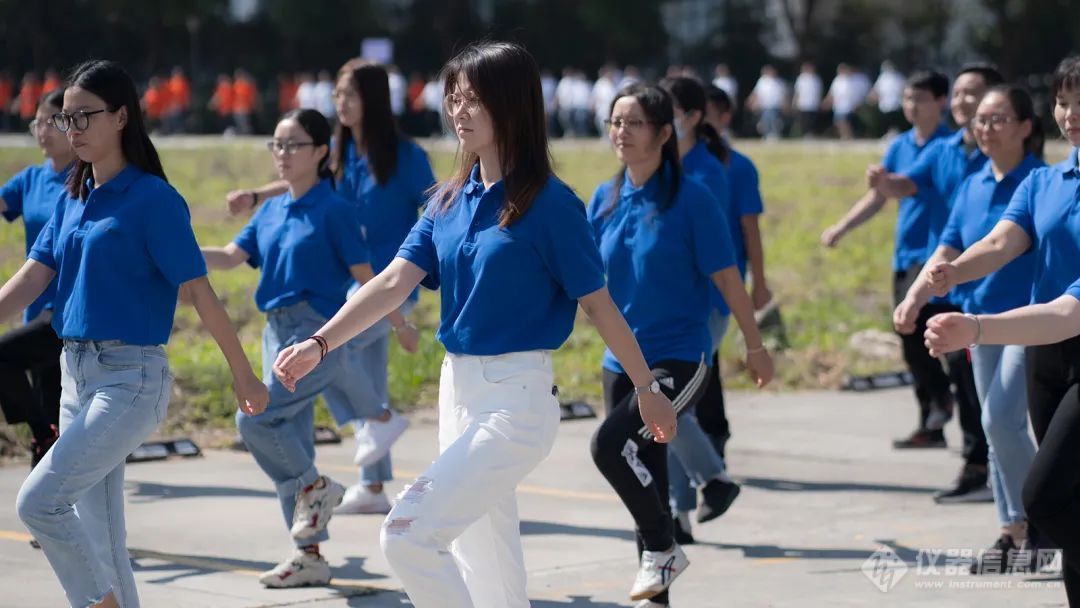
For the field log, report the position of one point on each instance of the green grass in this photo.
(826, 295)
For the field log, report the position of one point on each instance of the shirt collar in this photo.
(1020, 171)
(312, 196)
(1068, 166)
(629, 190)
(123, 180)
(474, 185)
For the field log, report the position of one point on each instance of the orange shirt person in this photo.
(7, 94)
(156, 100)
(222, 101)
(244, 95)
(287, 87)
(29, 94)
(179, 91)
(52, 82)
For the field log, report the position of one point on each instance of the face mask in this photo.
(680, 131)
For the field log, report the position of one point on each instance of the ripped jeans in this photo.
(453, 538)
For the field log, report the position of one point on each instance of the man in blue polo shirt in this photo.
(920, 219)
(941, 168)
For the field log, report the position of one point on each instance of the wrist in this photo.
(321, 344)
(978, 330)
(254, 197)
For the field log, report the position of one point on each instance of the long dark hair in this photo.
(54, 99)
(111, 83)
(1021, 103)
(689, 94)
(314, 124)
(1066, 76)
(507, 81)
(718, 97)
(378, 128)
(659, 111)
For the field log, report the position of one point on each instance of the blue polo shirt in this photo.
(304, 247)
(1047, 207)
(387, 211)
(32, 195)
(659, 263)
(506, 289)
(920, 218)
(941, 168)
(120, 257)
(944, 164)
(1074, 289)
(745, 199)
(980, 200)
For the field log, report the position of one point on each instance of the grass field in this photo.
(826, 295)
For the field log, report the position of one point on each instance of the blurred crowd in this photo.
(851, 105)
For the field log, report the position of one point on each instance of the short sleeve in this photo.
(1074, 290)
(950, 235)
(422, 178)
(1020, 210)
(922, 172)
(170, 239)
(595, 211)
(709, 233)
(44, 246)
(890, 160)
(568, 247)
(13, 193)
(346, 236)
(419, 247)
(248, 238)
(747, 193)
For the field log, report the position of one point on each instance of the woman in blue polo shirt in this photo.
(1008, 132)
(1041, 218)
(664, 241)
(121, 247)
(694, 461)
(309, 246)
(30, 355)
(387, 176)
(746, 209)
(511, 248)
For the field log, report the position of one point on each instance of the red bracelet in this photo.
(323, 347)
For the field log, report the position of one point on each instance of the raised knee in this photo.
(31, 504)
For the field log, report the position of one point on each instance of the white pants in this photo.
(454, 537)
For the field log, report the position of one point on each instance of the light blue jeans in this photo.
(369, 358)
(1002, 386)
(693, 459)
(114, 396)
(282, 438)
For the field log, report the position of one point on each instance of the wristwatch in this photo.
(653, 387)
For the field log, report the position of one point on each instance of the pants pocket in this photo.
(121, 358)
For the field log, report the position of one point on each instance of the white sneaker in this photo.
(650, 604)
(314, 508)
(300, 570)
(374, 439)
(658, 570)
(360, 500)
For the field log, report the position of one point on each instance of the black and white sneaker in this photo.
(658, 570)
